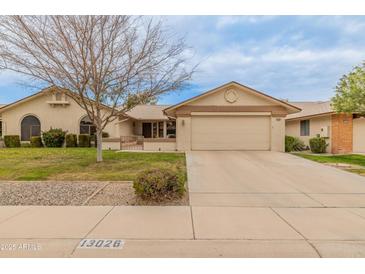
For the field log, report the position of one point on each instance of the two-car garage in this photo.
(231, 117)
(230, 132)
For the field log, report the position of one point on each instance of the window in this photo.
(86, 126)
(58, 96)
(1, 128)
(171, 129)
(304, 128)
(154, 130)
(30, 126)
(160, 129)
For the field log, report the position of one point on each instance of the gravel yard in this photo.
(74, 193)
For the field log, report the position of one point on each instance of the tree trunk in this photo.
(99, 146)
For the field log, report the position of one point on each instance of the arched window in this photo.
(86, 126)
(30, 126)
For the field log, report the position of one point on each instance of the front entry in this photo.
(146, 130)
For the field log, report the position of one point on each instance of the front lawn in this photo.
(356, 161)
(79, 164)
(352, 159)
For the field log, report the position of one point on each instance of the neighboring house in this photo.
(345, 133)
(48, 108)
(230, 117)
(1, 123)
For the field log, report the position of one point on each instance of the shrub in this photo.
(159, 185)
(318, 145)
(36, 141)
(84, 140)
(71, 140)
(12, 140)
(54, 137)
(293, 144)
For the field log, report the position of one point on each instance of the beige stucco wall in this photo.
(112, 145)
(66, 117)
(126, 127)
(277, 134)
(183, 133)
(292, 128)
(159, 146)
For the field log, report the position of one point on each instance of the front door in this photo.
(146, 130)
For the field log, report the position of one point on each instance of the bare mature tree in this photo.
(101, 60)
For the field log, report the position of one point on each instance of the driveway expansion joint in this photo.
(88, 233)
(305, 238)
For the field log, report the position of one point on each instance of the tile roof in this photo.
(148, 112)
(310, 109)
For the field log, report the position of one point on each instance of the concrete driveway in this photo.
(269, 179)
(276, 197)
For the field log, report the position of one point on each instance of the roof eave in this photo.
(310, 116)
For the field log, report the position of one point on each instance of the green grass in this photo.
(80, 164)
(352, 159)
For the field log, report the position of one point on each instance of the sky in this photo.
(299, 58)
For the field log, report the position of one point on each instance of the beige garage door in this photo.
(230, 133)
(358, 135)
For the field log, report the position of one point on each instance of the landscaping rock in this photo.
(74, 193)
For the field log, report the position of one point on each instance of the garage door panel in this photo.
(230, 133)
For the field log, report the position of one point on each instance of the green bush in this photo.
(12, 140)
(293, 144)
(54, 137)
(318, 145)
(84, 140)
(159, 185)
(71, 140)
(36, 141)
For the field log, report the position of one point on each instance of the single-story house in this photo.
(345, 133)
(229, 117)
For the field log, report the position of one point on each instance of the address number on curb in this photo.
(101, 243)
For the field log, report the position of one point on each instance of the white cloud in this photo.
(224, 21)
(292, 54)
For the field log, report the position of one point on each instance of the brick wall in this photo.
(341, 133)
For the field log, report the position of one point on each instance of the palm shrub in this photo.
(318, 144)
(84, 140)
(159, 184)
(71, 140)
(293, 144)
(54, 137)
(36, 141)
(12, 140)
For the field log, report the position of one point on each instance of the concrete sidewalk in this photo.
(184, 231)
